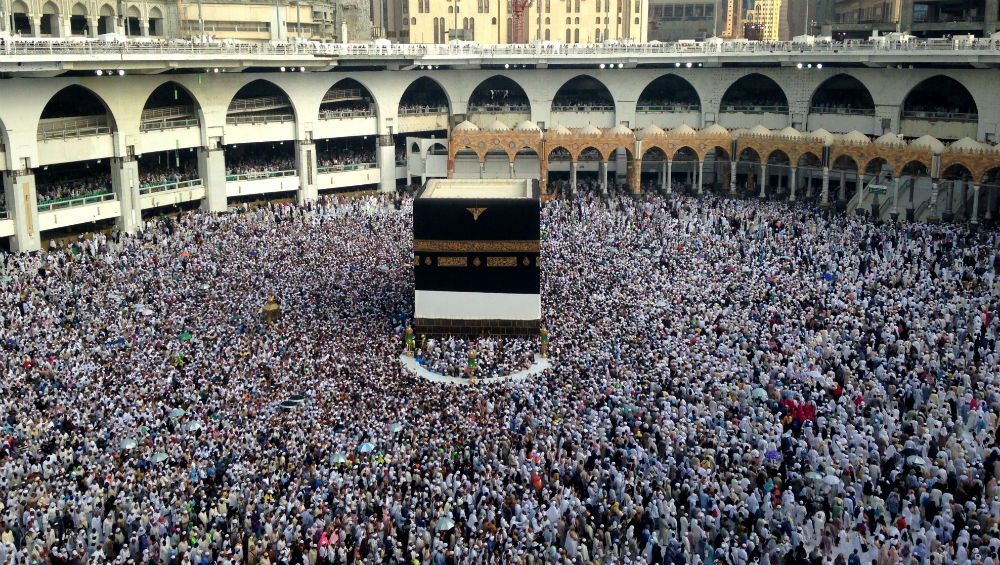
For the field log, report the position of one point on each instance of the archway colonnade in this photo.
(887, 157)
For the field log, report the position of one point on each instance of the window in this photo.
(547, 20)
(597, 7)
(451, 9)
(569, 36)
(569, 20)
(636, 2)
(605, 22)
(577, 6)
(494, 21)
(569, 6)
(413, 21)
(637, 21)
(546, 35)
(619, 5)
(576, 35)
(472, 30)
(576, 20)
(548, 5)
(597, 35)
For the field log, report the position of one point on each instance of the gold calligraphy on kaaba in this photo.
(452, 261)
(501, 261)
(476, 246)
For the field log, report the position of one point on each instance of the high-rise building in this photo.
(766, 20)
(493, 21)
(672, 20)
(923, 18)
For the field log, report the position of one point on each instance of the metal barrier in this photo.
(261, 175)
(82, 126)
(169, 123)
(167, 186)
(350, 167)
(499, 108)
(842, 111)
(72, 201)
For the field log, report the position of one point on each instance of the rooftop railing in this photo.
(582, 108)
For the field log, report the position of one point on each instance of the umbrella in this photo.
(383, 268)
(444, 524)
(338, 458)
(128, 444)
(772, 455)
(185, 254)
(814, 475)
(177, 413)
(159, 457)
(366, 447)
(289, 404)
(147, 312)
(915, 460)
(193, 426)
(184, 336)
(297, 398)
(831, 480)
(395, 427)
(759, 393)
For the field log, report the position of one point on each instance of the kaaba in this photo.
(476, 257)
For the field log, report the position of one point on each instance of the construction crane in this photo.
(518, 24)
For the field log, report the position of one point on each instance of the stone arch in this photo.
(754, 85)
(89, 100)
(836, 88)
(687, 147)
(412, 91)
(162, 93)
(776, 154)
(566, 91)
(79, 9)
(550, 149)
(434, 149)
(871, 163)
(909, 168)
(808, 159)
(957, 170)
(939, 91)
(19, 7)
(133, 12)
(746, 153)
(50, 8)
(480, 95)
(686, 91)
(107, 10)
(992, 173)
(522, 166)
(352, 83)
(263, 86)
(583, 149)
(155, 12)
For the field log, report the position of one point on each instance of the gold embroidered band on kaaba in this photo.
(476, 246)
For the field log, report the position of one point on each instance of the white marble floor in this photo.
(410, 364)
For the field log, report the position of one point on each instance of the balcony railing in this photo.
(351, 167)
(344, 114)
(754, 109)
(842, 111)
(415, 111)
(500, 108)
(259, 118)
(668, 108)
(940, 116)
(169, 123)
(258, 175)
(167, 186)
(63, 128)
(73, 201)
(582, 108)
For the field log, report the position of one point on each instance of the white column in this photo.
(826, 186)
(305, 162)
(934, 200)
(663, 175)
(991, 202)
(842, 188)
(621, 165)
(732, 177)
(604, 176)
(895, 197)
(572, 176)
(511, 165)
(212, 170)
(670, 174)
(386, 158)
(791, 184)
(975, 203)
(763, 180)
(22, 204)
(125, 183)
(701, 176)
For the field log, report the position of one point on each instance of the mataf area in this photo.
(733, 381)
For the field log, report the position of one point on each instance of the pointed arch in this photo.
(754, 90)
(76, 107)
(260, 99)
(669, 90)
(499, 90)
(940, 97)
(425, 91)
(842, 92)
(585, 88)
(170, 105)
(341, 95)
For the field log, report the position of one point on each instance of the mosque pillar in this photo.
(664, 175)
(763, 180)
(305, 162)
(604, 176)
(511, 166)
(125, 183)
(934, 201)
(212, 170)
(975, 203)
(386, 159)
(22, 204)
(572, 176)
(791, 184)
(482, 169)
(732, 177)
(825, 198)
(991, 201)
(701, 176)
(670, 172)
(842, 188)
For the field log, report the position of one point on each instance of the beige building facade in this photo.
(492, 21)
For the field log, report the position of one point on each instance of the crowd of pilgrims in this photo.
(733, 382)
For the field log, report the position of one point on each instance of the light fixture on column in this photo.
(620, 65)
(98, 72)
(819, 65)
(282, 69)
(121, 72)
(688, 65)
(678, 65)
(602, 65)
(302, 69)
